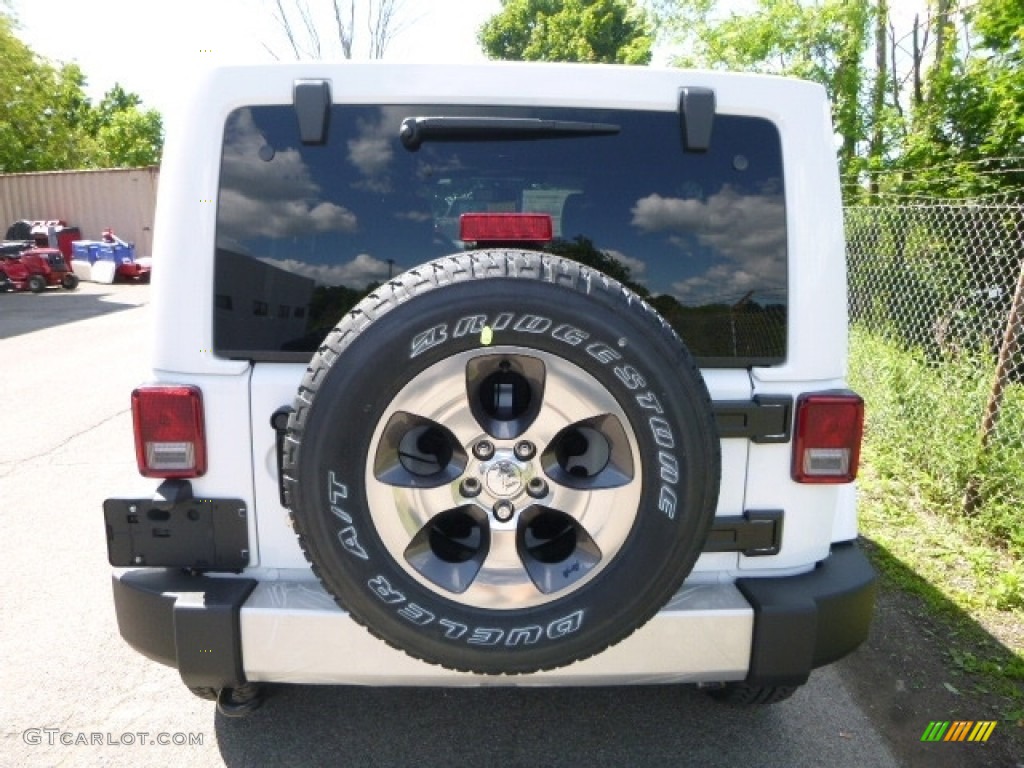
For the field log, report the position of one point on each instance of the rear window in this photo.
(304, 232)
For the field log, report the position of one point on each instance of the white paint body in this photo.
(292, 631)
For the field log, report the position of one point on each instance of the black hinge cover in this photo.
(764, 419)
(697, 117)
(312, 100)
(279, 421)
(754, 534)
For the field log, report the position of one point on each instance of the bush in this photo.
(923, 427)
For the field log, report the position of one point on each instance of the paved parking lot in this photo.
(71, 692)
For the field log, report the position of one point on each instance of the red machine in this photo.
(27, 268)
(123, 255)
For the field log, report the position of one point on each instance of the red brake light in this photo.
(505, 227)
(170, 440)
(829, 427)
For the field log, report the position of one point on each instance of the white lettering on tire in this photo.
(348, 537)
(661, 430)
(669, 467)
(335, 489)
(485, 636)
(382, 588)
(416, 614)
(532, 324)
(565, 626)
(667, 502)
(350, 541)
(570, 335)
(454, 630)
(429, 339)
(469, 326)
(524, 636)
(479, 636)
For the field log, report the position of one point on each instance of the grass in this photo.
(923, 429)
(922, 450)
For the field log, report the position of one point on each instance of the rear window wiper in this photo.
(416, 130)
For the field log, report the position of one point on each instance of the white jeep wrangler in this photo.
(505, 374)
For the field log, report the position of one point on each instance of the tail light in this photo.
(170, 440)
(505, 227)
(829, 427)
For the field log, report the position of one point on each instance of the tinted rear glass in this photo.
(304, 232)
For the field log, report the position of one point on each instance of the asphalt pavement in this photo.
(72, 693)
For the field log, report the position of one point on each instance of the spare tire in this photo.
(502, 462)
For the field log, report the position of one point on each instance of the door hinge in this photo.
(753, 534)
(763, 419)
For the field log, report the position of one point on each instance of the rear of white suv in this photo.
(510, 374)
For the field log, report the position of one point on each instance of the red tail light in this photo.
(829, 427)
(505, 227)
(170, 440)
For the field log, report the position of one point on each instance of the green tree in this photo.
(937, 111)
(608, 31)
(36, 99)
(967, 133)
(127, 135)
(131, 138)
(47, 121)
(825, 42)
(1000, 24)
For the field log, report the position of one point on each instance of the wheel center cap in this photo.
(504, 479)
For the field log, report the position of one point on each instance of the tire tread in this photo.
(478, 265)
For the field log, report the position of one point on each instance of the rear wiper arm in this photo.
(416, 130)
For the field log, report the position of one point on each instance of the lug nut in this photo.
(537, 488)
(483, 450)
(524, 450)
(503, 511)
(470, 487)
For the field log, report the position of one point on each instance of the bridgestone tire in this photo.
(502, 462)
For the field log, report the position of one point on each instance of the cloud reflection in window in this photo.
(747, 229)
(270, 198)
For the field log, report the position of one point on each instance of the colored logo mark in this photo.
(959, 730)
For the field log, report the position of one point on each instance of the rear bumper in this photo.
(222, 632)
(810, 620)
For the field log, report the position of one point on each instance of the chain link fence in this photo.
(937, 331)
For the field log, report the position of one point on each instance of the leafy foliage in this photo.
(824, 42)
(938, 111)
(968, 133)
(608, 31)
(48, 123)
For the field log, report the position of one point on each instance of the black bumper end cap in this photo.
(807, 621)
(186, 621)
